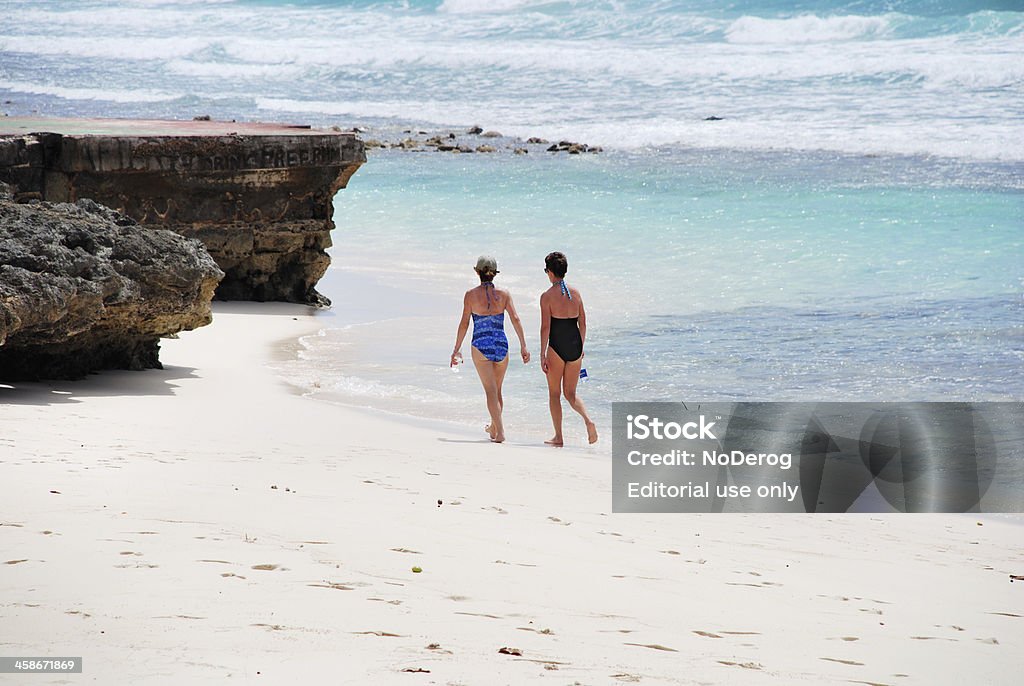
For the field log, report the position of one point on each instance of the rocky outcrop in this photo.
(450, 142)
(83, 287)
(258, 196)
(574, 148)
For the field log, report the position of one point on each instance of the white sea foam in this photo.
(809, 28)
(907, 134)
(489, 6)
(150, 48)
(234, 69)
(112, 95)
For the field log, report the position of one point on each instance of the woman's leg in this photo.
(555, 368)
(499, 377)
(571, 379)
(486, 370)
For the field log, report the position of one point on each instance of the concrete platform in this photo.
(19, 126)
(259, 196)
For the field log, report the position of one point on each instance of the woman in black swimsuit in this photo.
(563, 329)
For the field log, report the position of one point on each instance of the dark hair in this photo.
(556, 264)
(486, 275)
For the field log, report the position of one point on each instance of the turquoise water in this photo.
(705, 276)
(850, 228)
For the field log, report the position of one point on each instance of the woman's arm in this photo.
(545, 332)
(582, 320)
(467, 311)
(518, 326)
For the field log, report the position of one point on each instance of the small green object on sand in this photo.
(416, 570)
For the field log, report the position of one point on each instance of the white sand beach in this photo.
(206, 524)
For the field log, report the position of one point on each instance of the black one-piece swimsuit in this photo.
(564, 338)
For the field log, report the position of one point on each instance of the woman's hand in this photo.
(526, 355)
(456, 359)
(544, 364)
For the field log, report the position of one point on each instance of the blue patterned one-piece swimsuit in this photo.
(489, 336)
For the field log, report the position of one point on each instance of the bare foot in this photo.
(489, 432)
(556, 441)
(592, 432)
(500, 438)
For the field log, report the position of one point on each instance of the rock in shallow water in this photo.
(83, 287)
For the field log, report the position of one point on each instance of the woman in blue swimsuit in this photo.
(563, 329)
(486, 305)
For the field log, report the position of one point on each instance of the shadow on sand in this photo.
(112, 383)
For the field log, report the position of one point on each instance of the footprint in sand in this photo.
(706, 634)
(267, 567)
(841, 661)
(556, 520)
(478, 614)
(744, 665)
(652, 646)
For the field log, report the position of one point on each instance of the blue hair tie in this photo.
(565, 289)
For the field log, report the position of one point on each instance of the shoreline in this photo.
(207, 522)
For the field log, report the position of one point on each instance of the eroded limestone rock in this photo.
(83, 287)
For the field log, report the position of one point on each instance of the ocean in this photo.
(809, 200)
